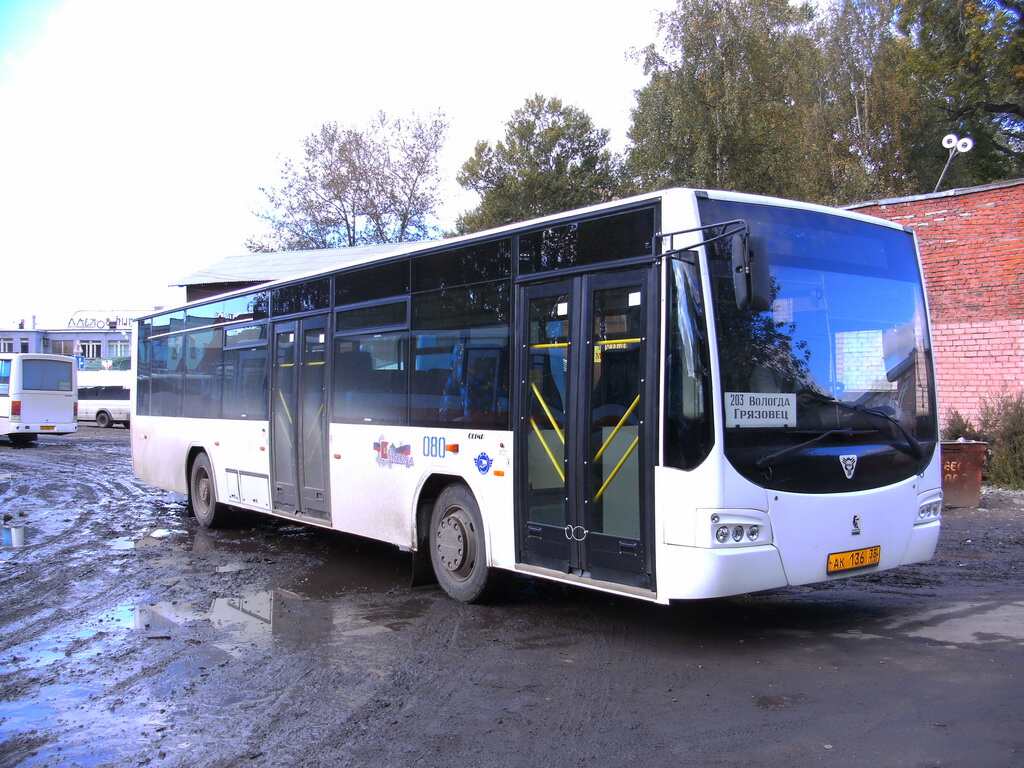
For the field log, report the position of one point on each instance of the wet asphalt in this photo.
(128, 636)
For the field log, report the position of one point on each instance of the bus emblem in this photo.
(483, 463)
(849, 463)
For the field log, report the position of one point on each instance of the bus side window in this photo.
(5, 378)
(370, 379)
(460, 357)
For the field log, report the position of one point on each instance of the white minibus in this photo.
(38, 394)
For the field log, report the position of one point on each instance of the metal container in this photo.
(961, 472)
(13, 536)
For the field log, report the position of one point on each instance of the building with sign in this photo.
(99, 339)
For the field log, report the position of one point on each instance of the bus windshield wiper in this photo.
(911, 441)
(772, 458)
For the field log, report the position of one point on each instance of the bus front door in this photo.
(298, 408)
(585, 402)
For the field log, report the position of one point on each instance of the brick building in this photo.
(972, 246)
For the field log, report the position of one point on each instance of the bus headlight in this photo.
(929, 511)
(738, 528)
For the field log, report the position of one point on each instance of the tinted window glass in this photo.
(369, 284)
(46, 375)
(688, 433)
(252, 306)
(622, 236)
(468, 307)
(203, 374)
(302, 297)
(165, 377)
(5, 377)
(245, 383)
(472, 264)
(370, 379)
(379, 316)
(207, 314)
(461, 378)
(142, 369)
(247, 334)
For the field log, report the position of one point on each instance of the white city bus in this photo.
(37, 395)
(104, 397)
(684, 394)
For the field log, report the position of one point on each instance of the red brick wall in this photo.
(972, 246)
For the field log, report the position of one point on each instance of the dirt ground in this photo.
(130, 637)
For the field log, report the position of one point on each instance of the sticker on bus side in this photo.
(389, 454)
(760, 409)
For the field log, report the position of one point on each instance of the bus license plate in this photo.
(855, 558)
(46, 426)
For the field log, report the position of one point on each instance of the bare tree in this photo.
(356, 186)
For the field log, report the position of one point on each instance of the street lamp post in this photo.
(956, 146)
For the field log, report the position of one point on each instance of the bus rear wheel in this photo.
(23, 441)
(103, 419)
(202, 494)
(458, 550)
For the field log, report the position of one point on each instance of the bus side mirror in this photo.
(750, 277)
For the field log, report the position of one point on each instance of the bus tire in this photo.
(202, 495)
(103, 420)
(23, 441)
(458, 549)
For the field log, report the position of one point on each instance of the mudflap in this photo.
(422, 570)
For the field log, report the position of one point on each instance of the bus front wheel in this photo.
(103, 420)
(202, 494)
(458, 551)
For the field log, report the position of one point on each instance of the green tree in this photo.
(733, 101)
(968, 60)
(356, 186)
(552, 158)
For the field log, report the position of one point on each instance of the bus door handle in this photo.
(629, 547)
(534, 530)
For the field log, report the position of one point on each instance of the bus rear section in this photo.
(38, 395)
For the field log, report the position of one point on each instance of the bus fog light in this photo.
(722, 534)
(753, 532)
(737, 533)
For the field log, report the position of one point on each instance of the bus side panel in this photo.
(377, 472)
(160, 447)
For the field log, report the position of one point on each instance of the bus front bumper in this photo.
(35, 428)
(696, 572)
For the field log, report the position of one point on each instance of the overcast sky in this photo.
(134, 135)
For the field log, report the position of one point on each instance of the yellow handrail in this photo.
(551, 345)
(618, 426)
(547, 450)
(615, 471)
(603, 342)
(547, 412)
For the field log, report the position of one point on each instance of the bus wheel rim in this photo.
(454, 542)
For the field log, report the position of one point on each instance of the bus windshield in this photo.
(843, 350)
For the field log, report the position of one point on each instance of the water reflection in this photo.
(262, 617)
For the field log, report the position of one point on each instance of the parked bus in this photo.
(104, 397)
(37, 395)
(684, 394)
